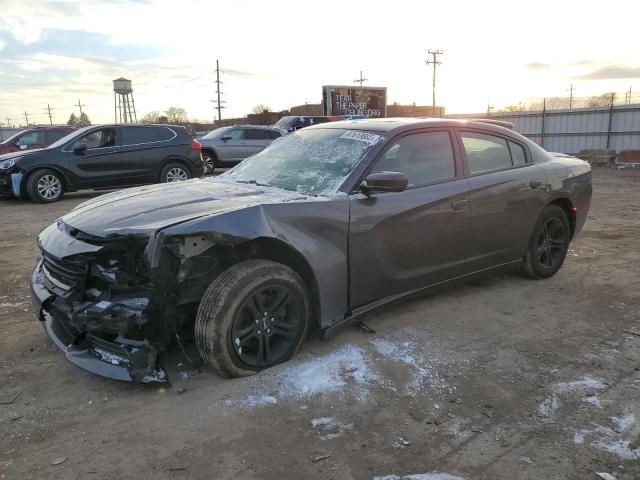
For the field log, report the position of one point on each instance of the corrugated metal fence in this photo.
(615, 127)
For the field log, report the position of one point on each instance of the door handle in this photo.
(459, 205)
(536, 184)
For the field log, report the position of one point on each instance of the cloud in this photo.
(612, 72)
(537, 66)
(2, 44)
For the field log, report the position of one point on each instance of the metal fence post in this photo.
(613, 96)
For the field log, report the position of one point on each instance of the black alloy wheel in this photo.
(548, 245)
(265, 328)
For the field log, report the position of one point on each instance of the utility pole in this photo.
(435, 62)
(80, 105)
(8, 121)
(627, 96)
(571, 96)
(489, 108)
(219, 92)
(48, 109)
(360, 80)
(26, 117)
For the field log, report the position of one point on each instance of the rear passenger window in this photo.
(275, 134)
(51, 137)
(137, 135)
(485, 153)
(422, 157)
(517, 154)
(257, 134)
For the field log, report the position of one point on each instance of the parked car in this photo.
(292, 123)
(327, 224)
(32, 138)
(103, 156)
(228, 146)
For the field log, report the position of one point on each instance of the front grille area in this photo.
(70, 274)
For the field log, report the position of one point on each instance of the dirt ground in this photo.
(505, 378)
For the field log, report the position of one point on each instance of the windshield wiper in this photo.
(253, 182)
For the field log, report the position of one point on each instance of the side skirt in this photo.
(418, 292)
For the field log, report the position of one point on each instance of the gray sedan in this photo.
(327, 224)
(228, 146)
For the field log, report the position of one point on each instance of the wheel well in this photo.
(278, 251)
(210, 151)
(25, 179)
(569, 209)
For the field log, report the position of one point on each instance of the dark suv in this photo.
(102, 156)
(33, 138)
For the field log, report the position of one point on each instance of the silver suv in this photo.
(228, 146)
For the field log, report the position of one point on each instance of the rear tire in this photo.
(253, 316)
(174, 172)
(45, 186)
(548, 245)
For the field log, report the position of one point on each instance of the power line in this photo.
(360, 80)
(435, 62)
(79, 105)
(48, 109)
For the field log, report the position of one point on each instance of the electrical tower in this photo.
(360, 80)
(218, 102)
(26, 117)
(123, 105)
(435, 62)
(571, 90)
(48, 109)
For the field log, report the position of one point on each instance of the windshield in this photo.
(216, 133)
(312, 161)
(285, 122)
(12, 137)
(69, 137)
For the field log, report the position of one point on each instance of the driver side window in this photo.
(33, 138)
(422, 157)
(103, 138)
(236, 134)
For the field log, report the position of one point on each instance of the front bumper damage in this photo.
(104, 331)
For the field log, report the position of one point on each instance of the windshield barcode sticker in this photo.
(369, 138)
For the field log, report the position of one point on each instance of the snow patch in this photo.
(11, 305)
(328, 373)
(330, 427)
(258, 401)
(616, 440)
(585, 383)
(422, 368)
(420, 476)
(549, 406)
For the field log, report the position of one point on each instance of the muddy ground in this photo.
(505, 378)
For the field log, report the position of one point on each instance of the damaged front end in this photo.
(99, 304)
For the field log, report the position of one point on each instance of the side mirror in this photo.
(385, 182)
(225, 138)
(79, 148)
(21, 146)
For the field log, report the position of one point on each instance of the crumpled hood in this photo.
(143, 210)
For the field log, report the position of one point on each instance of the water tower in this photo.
(123, 104)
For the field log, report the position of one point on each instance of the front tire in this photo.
(548, 245)
(209, 159)
(253, 316)
(45, 186)
(174, 172)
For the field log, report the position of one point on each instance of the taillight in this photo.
(196, 145)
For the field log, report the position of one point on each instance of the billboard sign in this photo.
(370, 102)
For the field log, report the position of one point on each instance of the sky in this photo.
(280, 53)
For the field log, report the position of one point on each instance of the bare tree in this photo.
(176, 115)
(152, 117)
(603, 100)
(261, 108)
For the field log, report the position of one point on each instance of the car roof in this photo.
(396, 125)
(265, 127)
